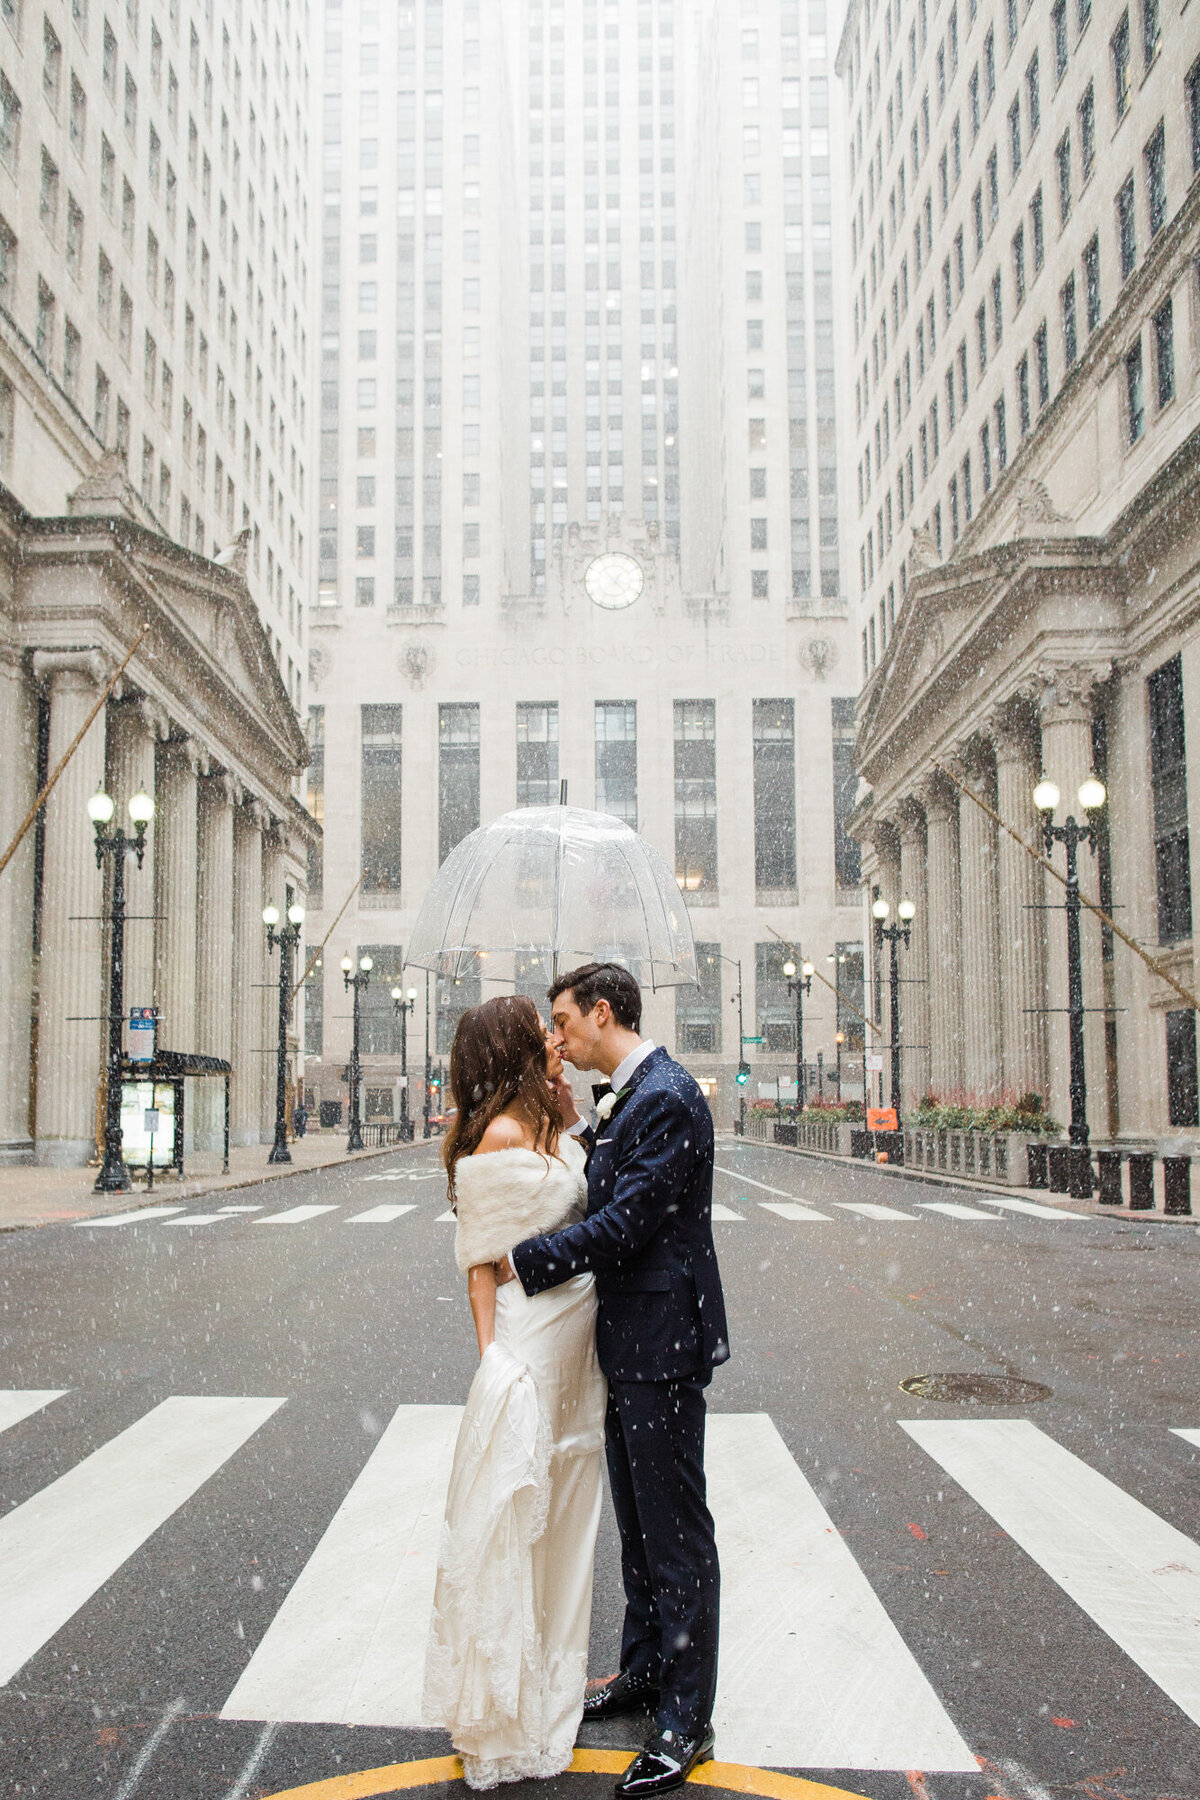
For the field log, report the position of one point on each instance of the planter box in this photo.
(986, 1155)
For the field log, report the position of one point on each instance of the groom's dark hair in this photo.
(603, 981)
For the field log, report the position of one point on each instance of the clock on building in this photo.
(614, 580)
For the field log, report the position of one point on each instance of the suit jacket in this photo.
(647, 1236)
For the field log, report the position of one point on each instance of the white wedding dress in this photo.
(507, 1658)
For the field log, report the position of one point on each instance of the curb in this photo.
(970, 1182)
(274, 1172)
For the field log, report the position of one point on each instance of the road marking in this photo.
(405, 1175)
(254, 1762)
(800, 1619)
(1134, 1575)
(58, 1548)
(128, 1218)
(446, 1218)
(749, 1181)
(295, 1215)
(380, 1215)
(1032, 1208)
(792, 1211)
(1186, 1431)
(20, 1403)
(867, 1210)
(200, 1218)
(724, 1213)
(347, 1647)
(953, 1210)
(131, 1782)
(241, 1209)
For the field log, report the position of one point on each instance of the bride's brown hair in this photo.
(498, 1060)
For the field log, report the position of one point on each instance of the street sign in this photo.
(142, 1021)
(151, 1119)
(756, 1040)
(874, 1063)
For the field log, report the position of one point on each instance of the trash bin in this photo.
(1110, 1177)
(786, 1133)
(891, 1143)
(1060, 1168)
(1039, 1167)
(1141, 1182)
(1177, 1184)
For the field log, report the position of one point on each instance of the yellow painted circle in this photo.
(733, 1778)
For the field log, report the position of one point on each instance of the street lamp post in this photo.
(427, 1130)
(799, 987)
(288, 939)
(743, 1068)
(404, 1004)
(839, 1041)
(906, 912)
(114, 1176)
(358, 979)
(1091, 798)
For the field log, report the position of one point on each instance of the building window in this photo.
(458, 774)
(379, 1026)
(1120, 66)
(1058, 23)
(1001, 418)
(1041, 352)
(774, 798)
(1024, 419)
(454, 998)
(537, 753)
(315, 777)
(1135, 399)
(1091, 271)
(381, 799)
(1069, 326)
(364, 590)
(1156, 180)
(774, 1008)
(847, 857)
(1033, 95)
(1151, 29)
(1193, 101)
(1168, 778)
(1062, 157)
(696, 797)
(1127, 228)
(1183, 1094)
(1018, 257)
(1087, 134)
(1164, 353)
(616, 759)
(1038, 225)
(314, 1012)
(698, 1009)
(851, 998)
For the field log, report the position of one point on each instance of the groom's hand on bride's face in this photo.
(504, 1271)
(563, 1094)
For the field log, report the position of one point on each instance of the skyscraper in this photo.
(587, 249)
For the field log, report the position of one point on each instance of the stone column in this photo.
(249, 971)
(178, 766)
(133, 727)
(1066, 712)
(73, 993)
(1022, 924)
(214, 949)
(914, 962)
(272, 893)
(18, 758)
(887, 879)
(940, 800)
(981, 1068)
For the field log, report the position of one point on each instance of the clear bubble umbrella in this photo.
(545, 888)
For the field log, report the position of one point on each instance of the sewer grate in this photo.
(976, 1390)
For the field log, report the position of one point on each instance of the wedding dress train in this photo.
(507, 1657)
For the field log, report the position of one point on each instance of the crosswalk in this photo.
(800, 1618)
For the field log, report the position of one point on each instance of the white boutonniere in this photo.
(605, 1105)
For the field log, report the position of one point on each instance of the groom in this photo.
(660, 1331)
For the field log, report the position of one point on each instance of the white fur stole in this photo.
(507, 1195)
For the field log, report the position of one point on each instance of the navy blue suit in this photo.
(660, 1331)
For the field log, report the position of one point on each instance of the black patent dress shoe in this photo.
(623, 1694)
(665, 1763)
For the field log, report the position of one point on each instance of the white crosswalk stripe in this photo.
(795, 1214)
(295, 1215)
(1135, 1575)
(725, 1214)
(813, 1674)
(143, 1214)
(1031, 1208)
(348, 1644)
(953, 1210)
(201, 1218)
(749, 1181)
(63, 1544)
(867, 1210)
(21, 1403)
(1186, 1432)
(380, 1215)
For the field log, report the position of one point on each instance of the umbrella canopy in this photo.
(547, 887)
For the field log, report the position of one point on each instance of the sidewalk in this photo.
(35, 1196)
(1061, 1202)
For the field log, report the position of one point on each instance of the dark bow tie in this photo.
(599, 1090)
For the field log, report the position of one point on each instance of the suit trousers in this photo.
(654, 1441)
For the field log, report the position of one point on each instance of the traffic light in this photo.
(743, 1074)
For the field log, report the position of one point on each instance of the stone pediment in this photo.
(933, 621)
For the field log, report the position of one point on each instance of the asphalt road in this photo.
(1002, 1609)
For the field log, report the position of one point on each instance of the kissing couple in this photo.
(597, 1302)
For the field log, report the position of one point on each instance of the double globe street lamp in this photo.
(288, 939)
(114, 1176)
(1091, 797)
(906, 912)
(799, 987)
(359, 979)
(404, 1004)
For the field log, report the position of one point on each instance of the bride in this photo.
(507, 1657)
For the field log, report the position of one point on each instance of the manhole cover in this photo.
(976, 1390)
